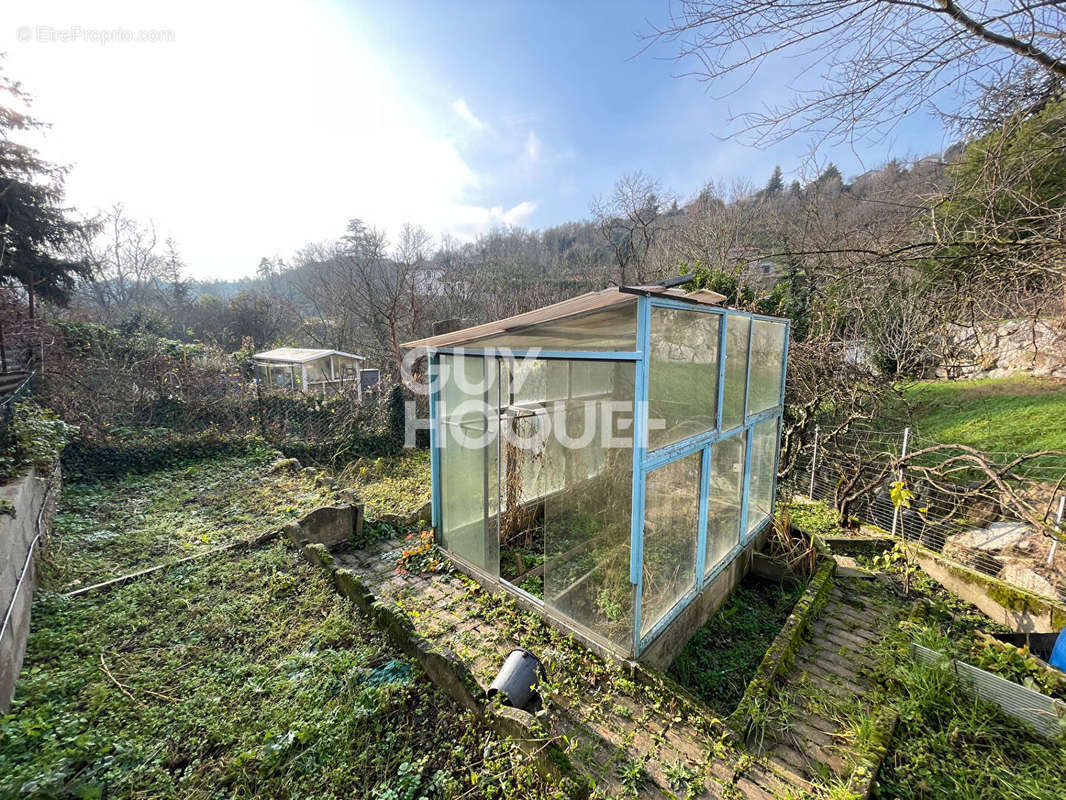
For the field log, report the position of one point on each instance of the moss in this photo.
(1010, 597)
(351, 586)
(783, 650)
(869, 759)
(320, 556)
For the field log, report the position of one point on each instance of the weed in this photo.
(632, 774)
(721, 658)
(239, 675)
(682, 778)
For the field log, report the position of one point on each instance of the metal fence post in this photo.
(899, 477)
(1058, 524)
(814, 464)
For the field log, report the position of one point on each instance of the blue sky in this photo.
(255, 128)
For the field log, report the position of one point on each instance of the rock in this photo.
(997, 536)
(424, 514)
(292, 532)
(1024, 578)
(326, 482)
(332, 525)
(283, 465)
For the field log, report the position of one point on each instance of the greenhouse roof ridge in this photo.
(582, 304)
(298, 355)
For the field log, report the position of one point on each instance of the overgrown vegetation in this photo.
(397, 484)
(239, 675)
(721, 658)
(36, 438)
(108, 528)
(948, 744)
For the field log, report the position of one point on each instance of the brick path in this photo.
(631, 739)
(826, 690)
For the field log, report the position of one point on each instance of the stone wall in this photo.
(26, 496)
(1008, 347)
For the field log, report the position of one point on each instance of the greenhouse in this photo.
(608, 458)
(307, 370)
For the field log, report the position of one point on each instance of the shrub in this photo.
(36, 438)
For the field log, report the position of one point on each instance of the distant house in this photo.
(309, 370)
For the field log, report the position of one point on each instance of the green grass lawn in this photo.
(239, 675)
(1019, 414)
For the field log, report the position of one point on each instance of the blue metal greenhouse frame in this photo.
(644, 462)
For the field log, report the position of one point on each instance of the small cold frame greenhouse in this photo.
(307, 370)
(609, 456)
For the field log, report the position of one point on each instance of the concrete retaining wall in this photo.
(1016, 608)
(27, 496)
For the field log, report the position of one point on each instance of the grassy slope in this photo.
(396, 485)
(1019, 414)
(241, 675)
(106, 529)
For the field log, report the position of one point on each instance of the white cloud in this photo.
(534, 148)
(468, 221)
(462, 110)
(230, 148)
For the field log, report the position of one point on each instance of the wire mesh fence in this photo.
(19, 388)
(1000, 513)
(140, 400)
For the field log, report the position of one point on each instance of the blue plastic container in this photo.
(1058, 654)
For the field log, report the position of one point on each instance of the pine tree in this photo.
(37, 236)
(776, 183)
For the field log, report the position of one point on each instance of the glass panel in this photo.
(587, 522)
(683, 375)
(767, 358)
(613, 328)
(763, 464)
(318, 371)
(724, 497)
(346, 369)
(533, 388)
(281, 377)
(736, 370)
(467, 463)
(671, 522)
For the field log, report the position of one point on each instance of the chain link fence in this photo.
(1000, 513)
(141, 401)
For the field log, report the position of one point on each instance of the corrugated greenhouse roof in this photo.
(582, 304)
(300, 355)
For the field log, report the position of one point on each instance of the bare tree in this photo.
(361, 295)
(862, 65)
(630, 220)
(131, 267)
